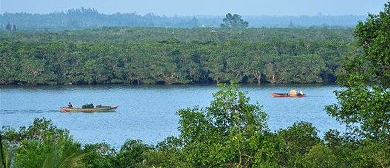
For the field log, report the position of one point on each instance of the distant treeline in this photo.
(173, 56)
(90, 18)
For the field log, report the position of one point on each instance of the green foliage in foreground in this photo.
(41, 145)
(173, 56)
(230, 132)
(225, 133)
(365, 103)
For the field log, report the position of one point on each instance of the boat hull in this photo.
(286, 95)
(89, 110)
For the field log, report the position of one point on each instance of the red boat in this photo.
(293, 93)
(287, 95)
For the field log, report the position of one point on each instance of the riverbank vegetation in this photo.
(173, 56)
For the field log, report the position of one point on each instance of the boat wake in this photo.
(7, 111)
(318, 96)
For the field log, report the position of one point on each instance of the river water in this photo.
(148, 113)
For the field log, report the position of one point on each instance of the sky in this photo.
(201, 7)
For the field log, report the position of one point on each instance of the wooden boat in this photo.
(287, 95)
(89, 110)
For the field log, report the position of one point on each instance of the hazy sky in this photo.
(201, 7)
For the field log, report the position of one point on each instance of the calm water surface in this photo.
(148, 113)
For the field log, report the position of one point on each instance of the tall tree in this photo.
(224, 133)
(233, 21)
(365, 103)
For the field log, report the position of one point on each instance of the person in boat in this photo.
(70, 105)
(293, 92)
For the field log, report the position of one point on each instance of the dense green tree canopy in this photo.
(223, 133)
(374, 36)
(365, 103)
(173, 56)
(41, 145)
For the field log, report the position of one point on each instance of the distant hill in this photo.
(90, 18)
